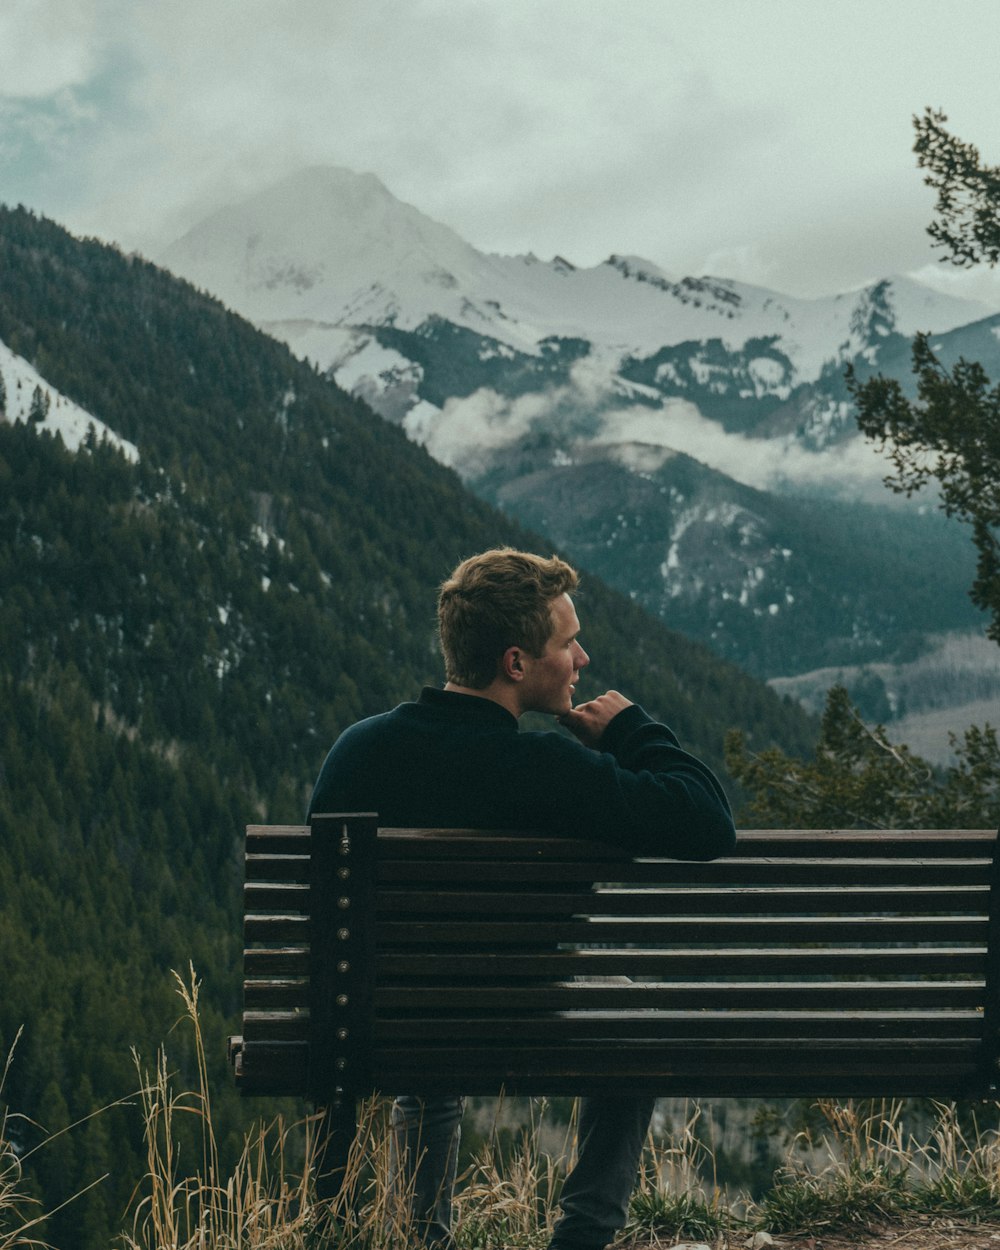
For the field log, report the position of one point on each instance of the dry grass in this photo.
(261, 1203)
(860, 1170)
(22, 1216)
(879, 1172)
(875, 1172)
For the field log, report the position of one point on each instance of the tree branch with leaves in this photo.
(858, 779)
(951, 435)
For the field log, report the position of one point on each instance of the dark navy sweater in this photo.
(458, 761)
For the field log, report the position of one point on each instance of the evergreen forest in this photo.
(181, 639)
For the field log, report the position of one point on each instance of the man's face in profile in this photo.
(550, 679)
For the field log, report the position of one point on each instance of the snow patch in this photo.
(63, 417)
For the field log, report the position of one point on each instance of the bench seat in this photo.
(808, 963)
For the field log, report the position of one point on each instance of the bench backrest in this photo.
(819, 962)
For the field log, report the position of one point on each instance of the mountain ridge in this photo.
(331, 266)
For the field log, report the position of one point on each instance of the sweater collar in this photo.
(469, 705)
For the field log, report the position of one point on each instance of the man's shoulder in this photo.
(371, 726)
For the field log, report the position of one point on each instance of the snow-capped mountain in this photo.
(600, 388)
(327, 250)
(407, 314)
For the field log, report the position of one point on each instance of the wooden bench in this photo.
(809, 963)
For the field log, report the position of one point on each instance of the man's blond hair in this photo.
(498, 599)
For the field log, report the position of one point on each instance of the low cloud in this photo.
(468, 432)
(852, 467)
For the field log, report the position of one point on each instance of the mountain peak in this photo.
(327, 254)
(311, 243)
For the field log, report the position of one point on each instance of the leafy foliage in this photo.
(857, 778)
(952, 434)
(968, 203)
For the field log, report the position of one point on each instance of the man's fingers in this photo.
(588, 721)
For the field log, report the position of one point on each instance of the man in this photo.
(456, 759)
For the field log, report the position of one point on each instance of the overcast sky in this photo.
(764, 140)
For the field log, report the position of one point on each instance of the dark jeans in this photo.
(596, 1192)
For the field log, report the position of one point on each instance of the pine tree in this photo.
(39, 407)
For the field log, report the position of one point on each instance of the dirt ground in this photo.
(923, 1233)
(935, 1233)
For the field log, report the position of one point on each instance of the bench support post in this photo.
(341, 877)
(991, 1006)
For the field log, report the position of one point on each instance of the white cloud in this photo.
(979, 283)
(48, 46)
(469, 431)
(762, 463)
(770, 133)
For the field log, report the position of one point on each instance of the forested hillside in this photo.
(181, 638)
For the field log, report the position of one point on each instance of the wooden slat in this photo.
(877, 843)
(562, 1029)
(685, 929)
(285, 993)
(276, 1026)
(757, 1057)
(446, 844)
(278, 839)
(277, 868)
(790, 871)
(510, 967)
(276, 929)
(285, 897)
(695, 901)
(290, 961)
(732, 994)
(769, 1073)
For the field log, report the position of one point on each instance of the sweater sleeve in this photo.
(643, 792)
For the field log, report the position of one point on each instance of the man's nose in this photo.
(582, 658)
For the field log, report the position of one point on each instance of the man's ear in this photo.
(511, 664)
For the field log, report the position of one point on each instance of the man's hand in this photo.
(588, 721)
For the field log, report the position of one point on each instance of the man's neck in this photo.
(496, 692)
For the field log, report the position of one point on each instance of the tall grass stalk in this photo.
(509, 1199)
(958, 1173)
(267, 1202)
(260, 1204)
(18, 1210)
(672, 1200)
(22, 1218)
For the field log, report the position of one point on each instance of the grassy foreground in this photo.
(861, 1167)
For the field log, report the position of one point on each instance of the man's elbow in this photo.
(719, 838)
(706, 836)
(711, 835)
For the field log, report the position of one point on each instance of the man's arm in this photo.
(643, 789)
